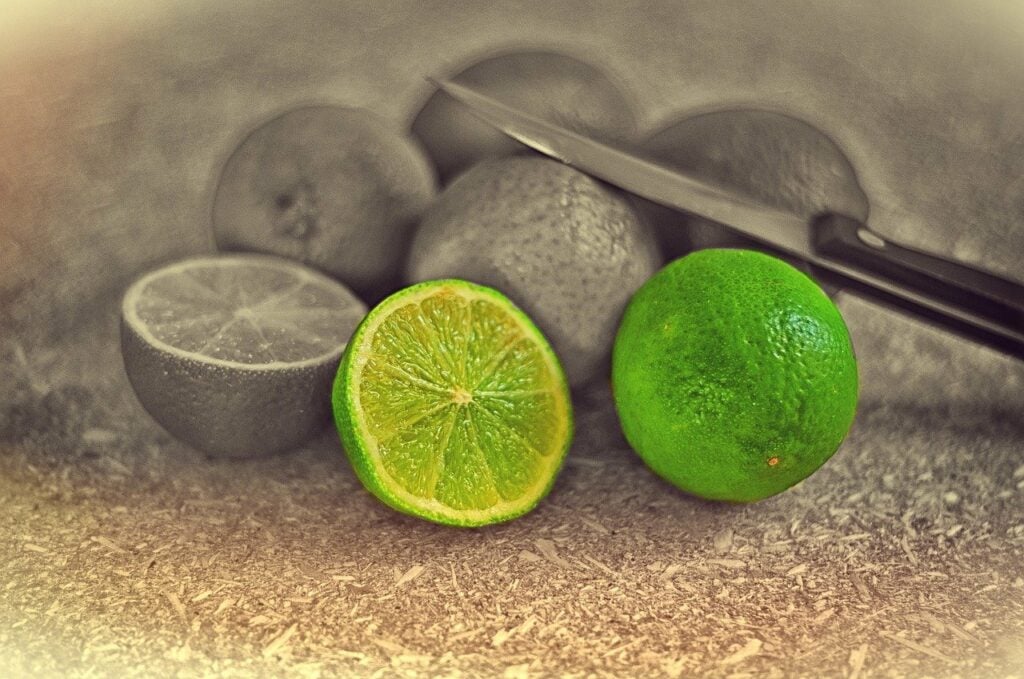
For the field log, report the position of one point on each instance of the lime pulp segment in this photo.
(245, 310)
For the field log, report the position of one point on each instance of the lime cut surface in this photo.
(452, 406)
(243, 310)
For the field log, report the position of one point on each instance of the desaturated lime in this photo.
(563, 246)
(733, 374)
(554, 86)
(770, 157)
(332, 187)
(235, 354)
(452, 406)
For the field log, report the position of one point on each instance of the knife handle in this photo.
(979, 302)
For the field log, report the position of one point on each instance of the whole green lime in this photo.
(734, 375)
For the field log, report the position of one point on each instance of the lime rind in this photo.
(505, 471)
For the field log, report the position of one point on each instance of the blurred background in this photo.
(118, 116)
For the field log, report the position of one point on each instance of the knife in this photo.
(841, 250)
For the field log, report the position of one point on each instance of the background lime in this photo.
(733, 374)
(330, 186)
(555, 86)
(774, 158)
(565, 247)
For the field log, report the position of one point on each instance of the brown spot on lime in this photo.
(772, 461)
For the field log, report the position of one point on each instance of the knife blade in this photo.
(964, 299)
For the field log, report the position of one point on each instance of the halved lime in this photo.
(452, 406)
(235, 354)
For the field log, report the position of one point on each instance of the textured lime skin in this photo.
(228, 412)
(734, 375)
(561, 244)
(347, 416)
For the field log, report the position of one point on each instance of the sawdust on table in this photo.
(125, 553)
